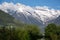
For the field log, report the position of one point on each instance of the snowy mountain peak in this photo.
(36, 15)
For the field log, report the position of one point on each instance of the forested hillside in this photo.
(5, 18)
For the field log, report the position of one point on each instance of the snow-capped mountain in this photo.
(34, 15)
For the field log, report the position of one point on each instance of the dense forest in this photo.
(12, 29)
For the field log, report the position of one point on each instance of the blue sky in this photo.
(50, 3)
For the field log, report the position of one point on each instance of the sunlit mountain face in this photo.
(38, 15)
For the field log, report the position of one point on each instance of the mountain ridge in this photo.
(37, 15)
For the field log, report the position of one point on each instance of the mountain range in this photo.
(38, 15)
